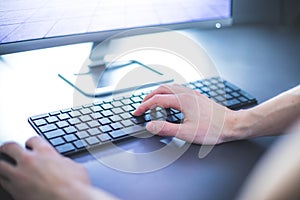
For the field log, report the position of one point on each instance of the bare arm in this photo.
(208, 123)
(271, 117)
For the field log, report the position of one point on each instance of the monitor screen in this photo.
(33, 24)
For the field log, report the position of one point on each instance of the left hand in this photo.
(41, 173)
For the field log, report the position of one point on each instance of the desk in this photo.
(262, 60)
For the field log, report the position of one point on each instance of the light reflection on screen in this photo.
(36, 19)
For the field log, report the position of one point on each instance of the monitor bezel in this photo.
(27, 45)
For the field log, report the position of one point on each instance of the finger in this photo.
(14, 150)
(165, 89)
(6, 170)
(37, 143)
(7, 186)
(164, 101)
(163, 128)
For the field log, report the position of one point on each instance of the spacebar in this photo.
(127, 131)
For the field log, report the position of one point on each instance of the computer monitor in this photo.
(35, 24)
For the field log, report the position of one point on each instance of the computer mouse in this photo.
(7, 158)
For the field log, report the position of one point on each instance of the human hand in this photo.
(205, 122)
(41, 173)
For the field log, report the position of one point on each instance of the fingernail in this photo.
(150, 127)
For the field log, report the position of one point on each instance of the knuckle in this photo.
(156, 98)
(27, 159)
(8, 145)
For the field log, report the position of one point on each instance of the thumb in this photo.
(163, 128)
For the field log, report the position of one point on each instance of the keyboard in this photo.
(78, 129)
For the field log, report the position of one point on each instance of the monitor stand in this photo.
(99, 76)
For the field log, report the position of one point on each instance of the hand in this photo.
(41, 173)
(205, 122)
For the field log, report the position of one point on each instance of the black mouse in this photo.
(7, 158)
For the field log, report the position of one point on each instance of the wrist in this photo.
(238, 125)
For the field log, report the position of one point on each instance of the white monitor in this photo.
(37, 24)
(34, 24)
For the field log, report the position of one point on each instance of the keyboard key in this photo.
(219, 98)
(79, 144)
(82, 134)
(96, 115)
(230, 85)
(74, 121)
(235, 94)
(85, 118)
(63, 116)
(86, 111)
(117, 111)
(117, 104)
(248, 96)
(54, 113)
(232, 102)
(213, 93)
(107, 113)
(128, 108)
(134, 129)
(53, 134)
(104, 121)
(67, 110)
(243, 99)
(126, 101)
(70, 129)
(62, 124)
(52, 119)
(48, 127)
(106, 106)
(127, 123)
(65, 148)
(105, 128)
(75, 114)
(70, 138)
(92, 140)
(135, 105)
(104, 137)
(81, 127)
(40, 122)
(116, 125)
(88, 105)
(94, 131)
(228, 96)
(138, 120)
(57, 141)
(172, 118)
(77, 108)
(126, 116)
(136, 99)
(39, 116)
(96, 109)
(118, 133)
(180, 116)
(115, 118)
(93, 124)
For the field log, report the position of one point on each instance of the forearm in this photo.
(269, 118)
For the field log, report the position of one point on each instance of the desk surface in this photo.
(262, 60)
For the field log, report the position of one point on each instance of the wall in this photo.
(283, 12)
